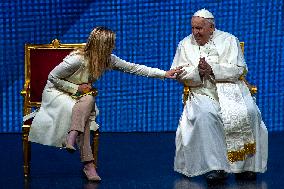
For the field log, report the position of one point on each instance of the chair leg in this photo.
(96, 147)
(26, 150)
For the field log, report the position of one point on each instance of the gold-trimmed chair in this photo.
(39, 61)
(252, 88)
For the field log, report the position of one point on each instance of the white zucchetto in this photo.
(204, 14)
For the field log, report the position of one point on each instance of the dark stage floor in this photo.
(126, 161)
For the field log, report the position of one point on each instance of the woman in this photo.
(68, 110)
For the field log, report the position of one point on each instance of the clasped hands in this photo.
(204, 69)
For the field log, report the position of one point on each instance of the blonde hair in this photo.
(97, 51)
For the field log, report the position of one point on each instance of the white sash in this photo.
(239, 135)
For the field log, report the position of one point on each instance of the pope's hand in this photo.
(204, 68)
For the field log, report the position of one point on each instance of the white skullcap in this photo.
(204, 14)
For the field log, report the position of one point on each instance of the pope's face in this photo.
(201, 30)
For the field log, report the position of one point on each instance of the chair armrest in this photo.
(26, 89)
(252, 88)
(186, 91)
(26, 94)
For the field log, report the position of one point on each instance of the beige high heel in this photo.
(70, 148)
(91, 178)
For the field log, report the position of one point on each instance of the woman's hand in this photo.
(172, 74)
(84, 88)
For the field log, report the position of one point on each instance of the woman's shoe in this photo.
(91, 177)
(70, 148)
(70, 141)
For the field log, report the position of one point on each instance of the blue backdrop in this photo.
(147, 33)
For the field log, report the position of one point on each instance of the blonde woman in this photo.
(63, 120)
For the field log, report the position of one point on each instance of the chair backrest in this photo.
(39, 61)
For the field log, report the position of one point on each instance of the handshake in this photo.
(204, 69)
(174, 73)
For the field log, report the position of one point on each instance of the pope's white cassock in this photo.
(221, 126)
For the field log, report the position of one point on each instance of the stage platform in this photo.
(126, 161)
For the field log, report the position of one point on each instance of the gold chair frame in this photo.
(252, 88)
(28, 105)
